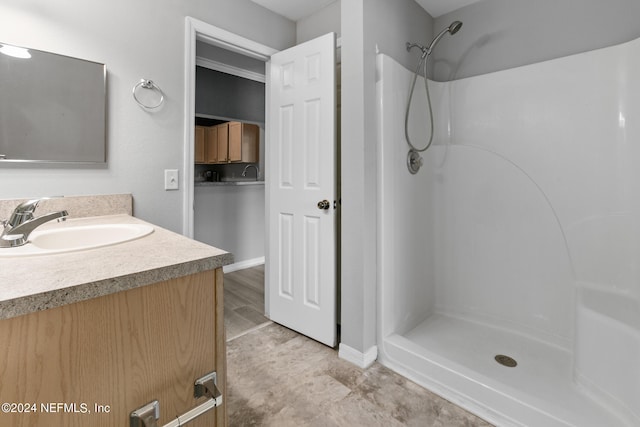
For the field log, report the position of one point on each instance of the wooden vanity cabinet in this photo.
(95, 361)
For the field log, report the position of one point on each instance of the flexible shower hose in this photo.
(423, 61)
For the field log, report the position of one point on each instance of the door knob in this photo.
(324, 204)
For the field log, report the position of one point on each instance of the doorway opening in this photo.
(196, 30)
(237, 59)
(302, 202)
(229, 185)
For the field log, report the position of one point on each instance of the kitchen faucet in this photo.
(244, 172)
(21, 223)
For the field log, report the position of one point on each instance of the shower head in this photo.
(455, 27)
(451, 29)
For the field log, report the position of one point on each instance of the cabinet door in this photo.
(250, 143)
(211, 145)
(243, 142)
(107, 356)
(199, 155)
(223, 143)
(235, 141)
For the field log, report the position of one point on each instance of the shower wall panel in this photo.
(571, 126)
(529, 189)
(523, 223)
(406, 243)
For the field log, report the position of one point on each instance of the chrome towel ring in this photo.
(150, 85)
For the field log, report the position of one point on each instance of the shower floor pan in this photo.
(456, 358)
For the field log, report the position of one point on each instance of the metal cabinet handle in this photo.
(149, 414)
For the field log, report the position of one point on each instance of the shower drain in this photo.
(506, 361)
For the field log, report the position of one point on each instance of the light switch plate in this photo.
(171, 179)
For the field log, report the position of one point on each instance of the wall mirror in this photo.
(52, 107)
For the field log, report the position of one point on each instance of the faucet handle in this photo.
(23, 212)
(28, 206)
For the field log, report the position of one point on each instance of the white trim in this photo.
(267, 177)
(362, 360)
(199, 30)
(229, 69)
(227, 40)
(241, 265)
(189, 117)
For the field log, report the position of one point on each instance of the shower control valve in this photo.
(414, 161)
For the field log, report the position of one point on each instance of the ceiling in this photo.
(294, 9)
(441, 7)
(297, 9)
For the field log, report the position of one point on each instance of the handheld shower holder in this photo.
(424, 50)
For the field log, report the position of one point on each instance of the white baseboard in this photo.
(241, 265)
(362, 360)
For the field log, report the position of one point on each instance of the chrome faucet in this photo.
(21, 223)
(244, 172)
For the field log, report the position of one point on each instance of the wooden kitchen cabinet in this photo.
(223, 143)
(243, 143)
(200, 144)
(107, 356)
(206, 145)
(211, 144)
(231, 142)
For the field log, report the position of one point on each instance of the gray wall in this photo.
(324, 21)
(368, 26)
(231, 217)
(501, 34)
(141, 39)
(223, 95)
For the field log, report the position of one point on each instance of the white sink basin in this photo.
(77, 238)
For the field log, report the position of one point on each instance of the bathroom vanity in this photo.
(87, 337)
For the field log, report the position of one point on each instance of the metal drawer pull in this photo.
(149, 414)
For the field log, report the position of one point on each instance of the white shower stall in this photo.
(520, 236)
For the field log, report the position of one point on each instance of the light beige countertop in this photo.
(228, 183)
(33, 283)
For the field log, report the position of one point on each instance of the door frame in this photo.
(196, 30)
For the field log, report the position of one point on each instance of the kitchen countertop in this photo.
(226, 183)
(33, 283)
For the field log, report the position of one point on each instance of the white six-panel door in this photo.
(301, 270)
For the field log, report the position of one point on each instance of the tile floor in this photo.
(277, 377)
(243, 300)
